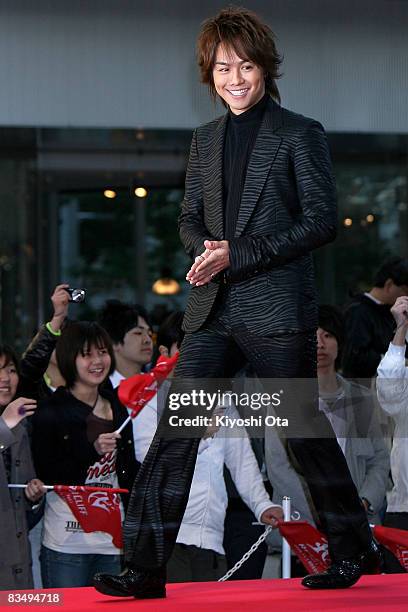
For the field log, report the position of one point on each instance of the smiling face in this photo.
(238, 81)
(92, 366)
(8, 381)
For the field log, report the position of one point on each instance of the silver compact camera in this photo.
(76, 295)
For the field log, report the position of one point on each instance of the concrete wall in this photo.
(125, 63)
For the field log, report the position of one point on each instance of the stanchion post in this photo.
(285, 546)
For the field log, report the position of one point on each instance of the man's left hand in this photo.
(272, 515)
(214, 259)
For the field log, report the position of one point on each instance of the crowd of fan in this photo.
(60, 411)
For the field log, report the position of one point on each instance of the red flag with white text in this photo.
(136, 391)
(396, 540)
(308, 544)
(95, 509)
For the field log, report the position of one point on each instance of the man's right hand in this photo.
(213, 260)
(198, 260)
(17, 410)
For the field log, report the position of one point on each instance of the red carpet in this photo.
(373, 593)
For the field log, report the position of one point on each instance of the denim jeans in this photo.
(59, 570)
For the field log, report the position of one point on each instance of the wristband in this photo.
(54, 333)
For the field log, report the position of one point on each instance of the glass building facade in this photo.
(69, 213)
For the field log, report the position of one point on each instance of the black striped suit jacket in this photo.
(288, 208)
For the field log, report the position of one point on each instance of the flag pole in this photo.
(286, 558)
(88, 489)
(23, 486)
(123, 425)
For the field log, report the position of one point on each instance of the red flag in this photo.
(308, 544)
(136, 391)
(396, 540)
(95, 509)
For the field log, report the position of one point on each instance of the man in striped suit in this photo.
(259, 197)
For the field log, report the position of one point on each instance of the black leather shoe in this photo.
(344, 574)
(138, 583)
(372, 559)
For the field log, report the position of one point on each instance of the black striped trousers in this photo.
(160, 492)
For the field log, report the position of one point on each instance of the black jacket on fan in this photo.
(34, 364)
(61, 450)
(369, 329)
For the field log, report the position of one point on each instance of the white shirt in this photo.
(392, 390)
(371, 297)
(144, 424)
(203, 520)
(61, 530)
(332, 404)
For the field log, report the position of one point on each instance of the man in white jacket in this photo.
(392, 389)
(199, 554)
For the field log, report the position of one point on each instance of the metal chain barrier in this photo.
(295, 517)
(253, 548)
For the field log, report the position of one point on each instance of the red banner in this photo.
(312, 549)
(136, 391)
(396, 540)
(308, 544)
(95, 509)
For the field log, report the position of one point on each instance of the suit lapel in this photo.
(263, 155)
(214, 186)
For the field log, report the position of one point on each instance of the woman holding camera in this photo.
(74, 443)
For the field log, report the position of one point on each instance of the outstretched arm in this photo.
(37, 356)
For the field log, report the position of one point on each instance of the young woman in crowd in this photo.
(15, 468)
(74, 443)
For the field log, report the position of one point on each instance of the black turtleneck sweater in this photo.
(240, 136)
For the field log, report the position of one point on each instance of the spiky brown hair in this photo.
(242, 31)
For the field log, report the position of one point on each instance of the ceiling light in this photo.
(166, 286)
(140, 192)
(109, 193)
